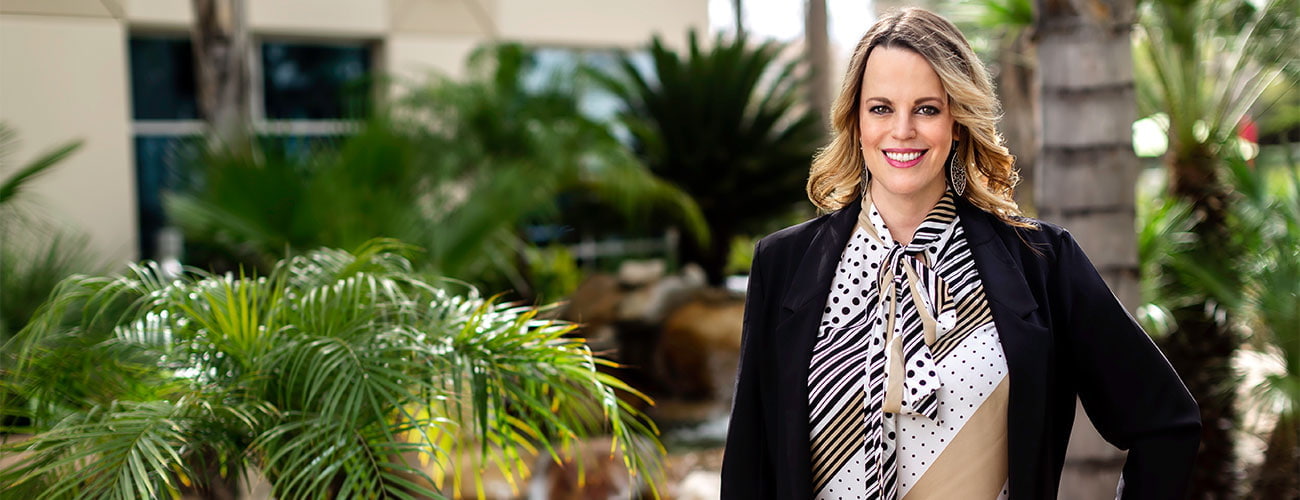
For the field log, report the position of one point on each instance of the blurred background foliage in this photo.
(1202, 71)
(456, 167)
(36, 250)
(727, 124)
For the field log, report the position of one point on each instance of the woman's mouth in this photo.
(904, 158)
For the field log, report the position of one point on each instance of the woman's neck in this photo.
(903, 214)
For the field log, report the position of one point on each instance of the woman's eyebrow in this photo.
(884, 100)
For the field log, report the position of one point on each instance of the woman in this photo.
(923, 340)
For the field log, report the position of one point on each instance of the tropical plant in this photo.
(1266, 221)
(1260, 288)
(729, 126)
(336, 375)
(510, 120)
(455, 167)
(33, 256)
(36, 251)
(1204, 64)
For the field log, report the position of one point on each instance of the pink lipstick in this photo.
(903, 157)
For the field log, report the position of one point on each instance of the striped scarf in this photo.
(873, 357)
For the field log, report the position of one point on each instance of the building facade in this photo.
(118, 75)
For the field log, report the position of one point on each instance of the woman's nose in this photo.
(902, 126)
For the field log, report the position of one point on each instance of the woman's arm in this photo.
(745, 467)
(1130, 392)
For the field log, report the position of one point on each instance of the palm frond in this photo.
(123, 451)
(328, 375)
(13, 185)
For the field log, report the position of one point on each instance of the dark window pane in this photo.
(162, 79)
(163, 163)
(306, 82)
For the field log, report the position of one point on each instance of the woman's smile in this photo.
(904, 158)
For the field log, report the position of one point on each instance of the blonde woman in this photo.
(923, 340)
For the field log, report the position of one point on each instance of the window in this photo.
(555, 64)
(314, 82)
(304, 95)
(162, 79)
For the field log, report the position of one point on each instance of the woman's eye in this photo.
(879, 110)
(927, 110)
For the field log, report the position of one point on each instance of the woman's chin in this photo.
(907, 188)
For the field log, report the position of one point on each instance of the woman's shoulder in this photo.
(1025, 238)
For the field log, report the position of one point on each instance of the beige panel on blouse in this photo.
(974, 464)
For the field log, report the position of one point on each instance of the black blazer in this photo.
(1062, 330)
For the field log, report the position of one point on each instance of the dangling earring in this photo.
(866, 174)
(956, 172)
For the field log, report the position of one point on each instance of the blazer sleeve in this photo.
(1127, 387)
(746, 467)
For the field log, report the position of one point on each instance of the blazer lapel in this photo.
(812, 279)
(795, 335)
(1026, 342)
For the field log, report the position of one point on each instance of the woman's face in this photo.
(906, 127)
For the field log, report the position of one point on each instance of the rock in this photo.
(651, 303)
(700, 346)
(638, 273)
(595, 305)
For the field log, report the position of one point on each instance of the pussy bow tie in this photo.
(915, 306)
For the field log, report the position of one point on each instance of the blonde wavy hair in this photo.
(836, 177)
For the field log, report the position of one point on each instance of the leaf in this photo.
(13, 185)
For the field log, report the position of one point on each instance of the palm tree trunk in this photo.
(1086, 173)
(738, 8)
(817, 46)
(1017, 86)
(221, 51)
(213, 484)
(1202, 348)
(1279, 476)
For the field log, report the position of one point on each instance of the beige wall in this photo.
(172, 13)
(64, 69)
(414, 58)
(64, 78)
(627, 23)
(360, 18)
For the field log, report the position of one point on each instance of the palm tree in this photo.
(726, 125)
(221, 51)
(1261, 288)
(1266, 221)
(456, 167)
(1204, 64)
(817, 46)
(33, 257)
(738, 10)
(333, 375)
(36, 252)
